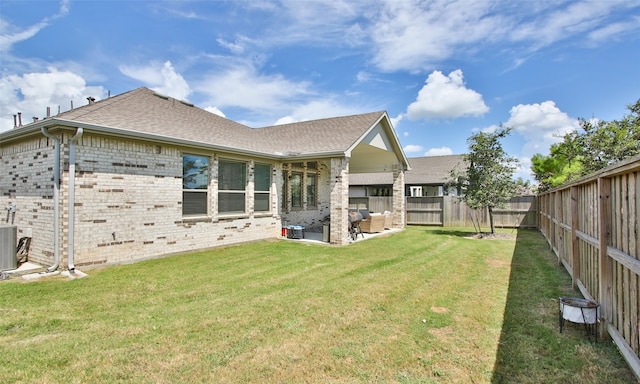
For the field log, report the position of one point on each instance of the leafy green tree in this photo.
(488, 180)
(596, 145)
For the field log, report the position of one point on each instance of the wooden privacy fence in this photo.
(592, 226)
(449, 211)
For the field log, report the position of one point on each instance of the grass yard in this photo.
(427, 305)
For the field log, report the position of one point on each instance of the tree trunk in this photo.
(493, 230)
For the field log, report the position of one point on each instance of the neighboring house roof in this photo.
(147, 114)
(433, 169)
(424, 170)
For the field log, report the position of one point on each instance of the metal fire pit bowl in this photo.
(580, 311)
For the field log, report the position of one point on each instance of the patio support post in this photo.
(339, 206)
(399, 199)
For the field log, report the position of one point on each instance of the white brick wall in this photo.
(26, 180)
(128, 202)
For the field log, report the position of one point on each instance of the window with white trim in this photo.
(262, 187)
(232, 186)
(195, 185)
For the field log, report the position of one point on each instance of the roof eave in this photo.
(56, 123)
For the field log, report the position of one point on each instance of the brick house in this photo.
(140, 175)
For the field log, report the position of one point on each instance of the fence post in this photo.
(605, 265)
(575, 252)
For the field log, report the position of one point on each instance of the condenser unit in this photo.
(8, 236)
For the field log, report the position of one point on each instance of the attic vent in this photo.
(161, 96)
(188, 104)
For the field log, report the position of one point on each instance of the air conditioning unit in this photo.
(8, 236)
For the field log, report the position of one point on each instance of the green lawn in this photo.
(426, 305)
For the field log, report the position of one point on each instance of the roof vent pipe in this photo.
(19, 119)
(35, 119)
(56, 199)
(48, 112)
(15, 121)
(91, 100)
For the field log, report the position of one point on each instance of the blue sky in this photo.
(443, 70)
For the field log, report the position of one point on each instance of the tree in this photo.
(596, 145)
(488, 182)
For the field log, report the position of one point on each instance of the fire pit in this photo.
(581, 311)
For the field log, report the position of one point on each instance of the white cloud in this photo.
(446, 97)
(363, 76)
(237, 47)
(32, 93)
(317, 109)
(285, 120)
(16, 35)
(416, 36)
(162, 78)
(613, 30)
(442, 151)
(524, 170)
(412, 148)
(395, 122)
(244, 87)
(541, 125)
(215, 110)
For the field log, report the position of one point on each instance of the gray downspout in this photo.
(72, 197)
(56, 200)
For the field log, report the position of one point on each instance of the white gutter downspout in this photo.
(56, 199)
(72, 197)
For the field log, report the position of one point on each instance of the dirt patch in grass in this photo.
(492, 236)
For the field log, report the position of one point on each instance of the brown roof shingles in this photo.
(433, 169)
(424, 170)
(329, 135)
(144, 111)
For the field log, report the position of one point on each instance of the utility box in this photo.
(326, 232)
(8, 236)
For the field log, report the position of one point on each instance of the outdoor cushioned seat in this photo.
(388, 220)
(374, 223)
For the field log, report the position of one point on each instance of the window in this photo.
(416, 191)
(232, 183)
(311, 190)
(285, 193)
(195, 184)
(262, 187)
(296, 189)
(301, 182)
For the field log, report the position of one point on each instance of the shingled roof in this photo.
(434, 170)
(330, 135)
(143, 112)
